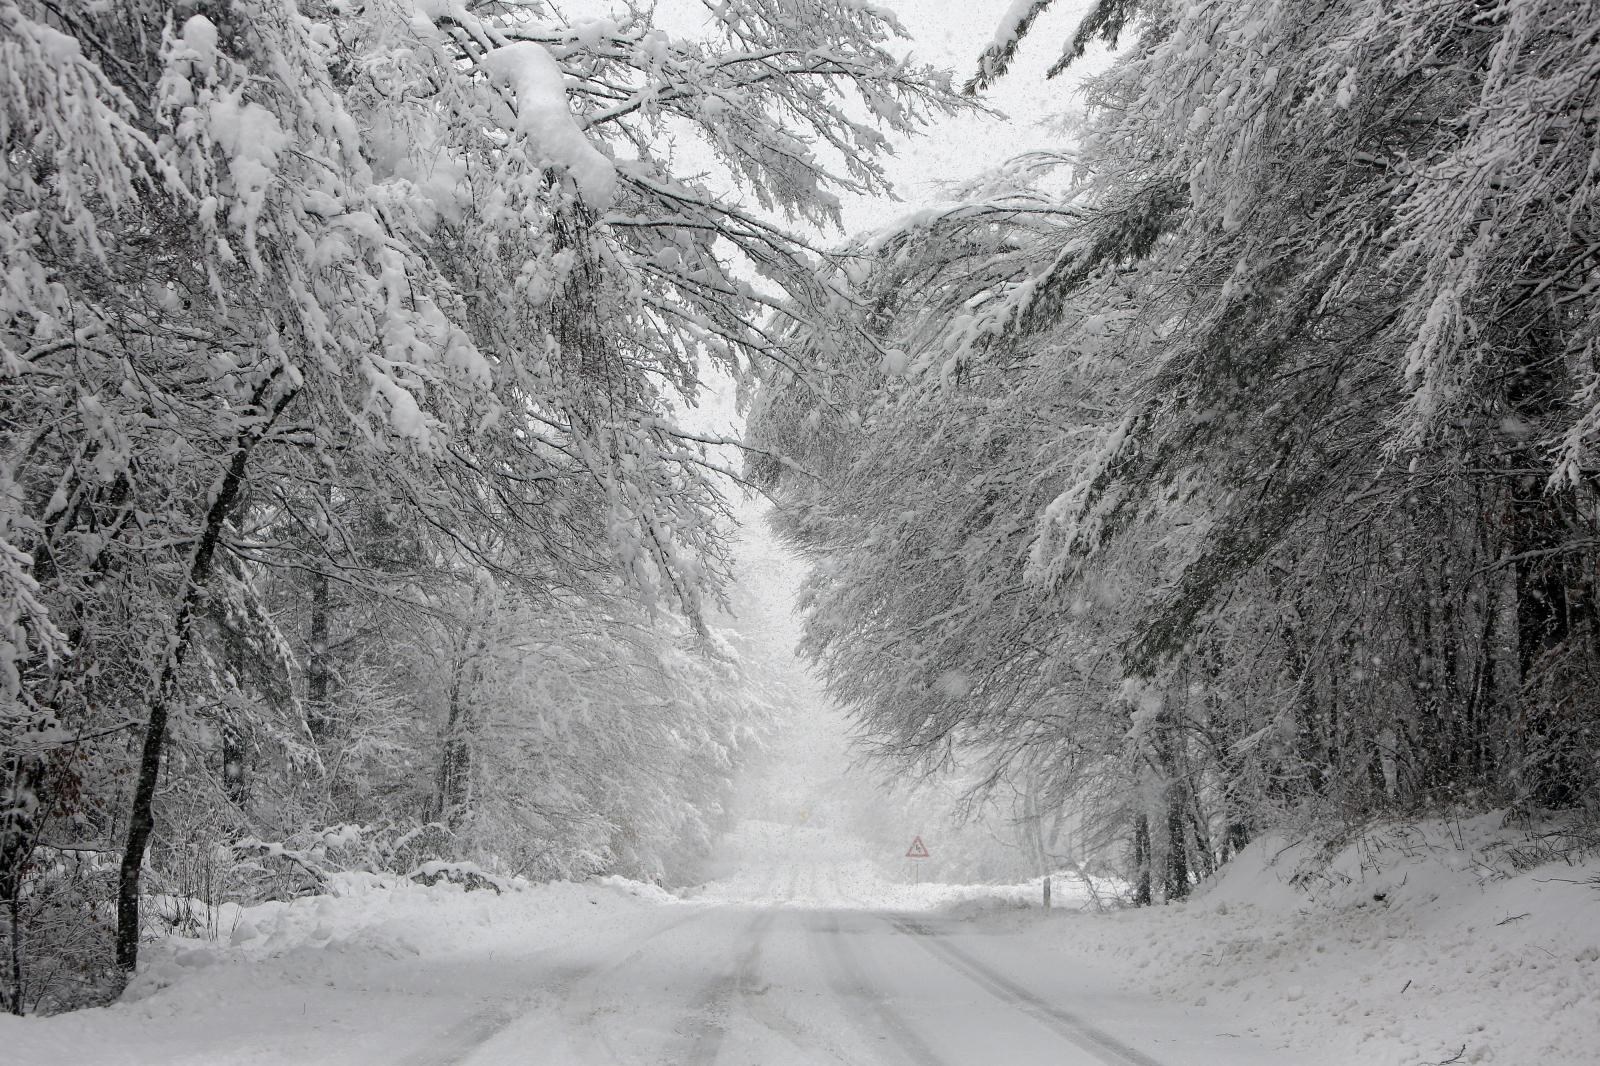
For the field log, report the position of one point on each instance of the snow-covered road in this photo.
(791, 982)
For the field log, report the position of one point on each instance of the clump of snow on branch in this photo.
(544, 118)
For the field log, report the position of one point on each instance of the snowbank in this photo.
(378, 973)
(1445, 942)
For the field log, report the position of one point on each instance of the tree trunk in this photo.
(1176, 882)
(1141, 860)
(1175, 796)
(141, 813)
(319, 671)
(1205, 855)
(453, 786)
(318, 681)
(19, 826)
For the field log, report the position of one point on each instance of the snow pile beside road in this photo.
(1445, 942)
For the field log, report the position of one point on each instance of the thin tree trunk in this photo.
(453, 787)
(318, 719)
(1141, 860)
(1204, 853)
(14, 914)
(18, 830)
(452, 791)
(319, 671)
(141, 814)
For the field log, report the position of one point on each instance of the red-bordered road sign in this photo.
(917, 850)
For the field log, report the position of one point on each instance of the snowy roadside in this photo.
(387, 971)
(1448, 942)
(1445, 942)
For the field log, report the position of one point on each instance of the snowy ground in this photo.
(803, 957)
(806, 953)
(1446, 942)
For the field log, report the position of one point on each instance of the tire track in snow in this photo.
(713, 1008)
(459, 1042)
(1096, 1041)
(597, 978)
(870, 1008)
(773, 1018)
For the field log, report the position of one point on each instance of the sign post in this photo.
(917, 852)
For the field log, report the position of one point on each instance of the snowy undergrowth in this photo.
(1460, 941)
(362, 913)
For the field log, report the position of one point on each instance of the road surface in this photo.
(787, 960)
(786, 982)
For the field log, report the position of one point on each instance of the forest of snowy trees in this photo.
(1234, 466)
(1230, 467)
(345, 352)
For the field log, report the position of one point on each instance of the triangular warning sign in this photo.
(918, 849)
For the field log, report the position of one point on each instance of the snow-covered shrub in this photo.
(307, 863)
(64, 959)
(469, 875)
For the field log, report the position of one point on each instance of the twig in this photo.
(1513, 918)
(1453, 1058)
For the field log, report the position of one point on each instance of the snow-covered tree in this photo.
(278, 270)
(1321, 524)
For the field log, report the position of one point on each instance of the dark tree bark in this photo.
(1141, 860)
(141, 813)
(23, 776)
(319, 670)
(1176, 798)
(1175, 884)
